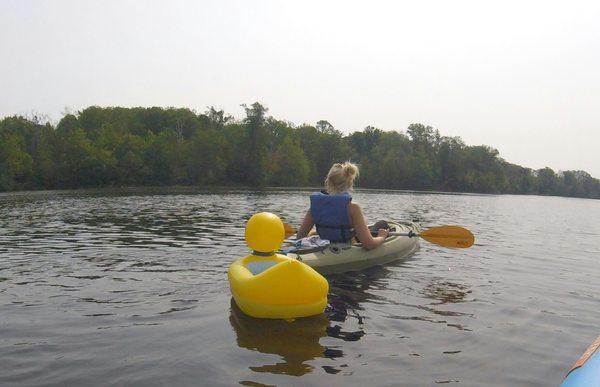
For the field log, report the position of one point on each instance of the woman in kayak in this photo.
(335, 216)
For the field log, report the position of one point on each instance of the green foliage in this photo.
(206, 157)
(257, 143)
(162, 146)
(15, 163)
(84, 165)
(129, 153)
(547, 181)
(288, 165)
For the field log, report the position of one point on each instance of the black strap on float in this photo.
(263, 254)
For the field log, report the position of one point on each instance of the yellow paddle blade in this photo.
(289, 230)
(449, 236)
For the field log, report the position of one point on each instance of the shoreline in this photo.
(221, 188)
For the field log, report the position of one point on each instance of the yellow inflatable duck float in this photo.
(265, 284)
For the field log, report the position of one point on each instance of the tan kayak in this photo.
(341, 257)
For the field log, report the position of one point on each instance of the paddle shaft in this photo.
(409, 234)
(446, 236)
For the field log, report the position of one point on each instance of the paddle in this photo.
(289, 230)
(447, 236)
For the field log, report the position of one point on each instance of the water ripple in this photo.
(128, 287)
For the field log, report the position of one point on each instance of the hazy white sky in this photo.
(521, 76)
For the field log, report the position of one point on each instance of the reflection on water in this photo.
(296, 341)
(130, 288)
(446, 292)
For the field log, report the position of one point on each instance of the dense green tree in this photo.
(288, 165)
(164, 156)
(423, 137)
(105, 146)
(83, 165)
(385, 165)
(129, 153)
(330, 147)
(257, 142)
(547, 181)
(206, 157)
(15, 163)
(449, 161)
(323, 126)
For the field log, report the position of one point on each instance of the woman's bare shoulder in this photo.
(354, 207)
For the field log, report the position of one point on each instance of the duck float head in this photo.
(266, 284)
(264, 233)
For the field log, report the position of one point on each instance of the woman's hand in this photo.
(362, 231)
(382, 232)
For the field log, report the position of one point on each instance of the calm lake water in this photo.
(130, 288)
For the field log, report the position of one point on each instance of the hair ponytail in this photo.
(341, 177)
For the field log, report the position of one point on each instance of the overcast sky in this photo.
(522, 76)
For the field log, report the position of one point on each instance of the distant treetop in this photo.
(116, 146)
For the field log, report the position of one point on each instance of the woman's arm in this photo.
(307, 225)
(362, 231)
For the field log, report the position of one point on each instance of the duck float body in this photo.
(265, 284)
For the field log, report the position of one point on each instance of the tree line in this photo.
(116, 146)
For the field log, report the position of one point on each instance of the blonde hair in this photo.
(341, 177)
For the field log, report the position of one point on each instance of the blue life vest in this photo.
(331, 215)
